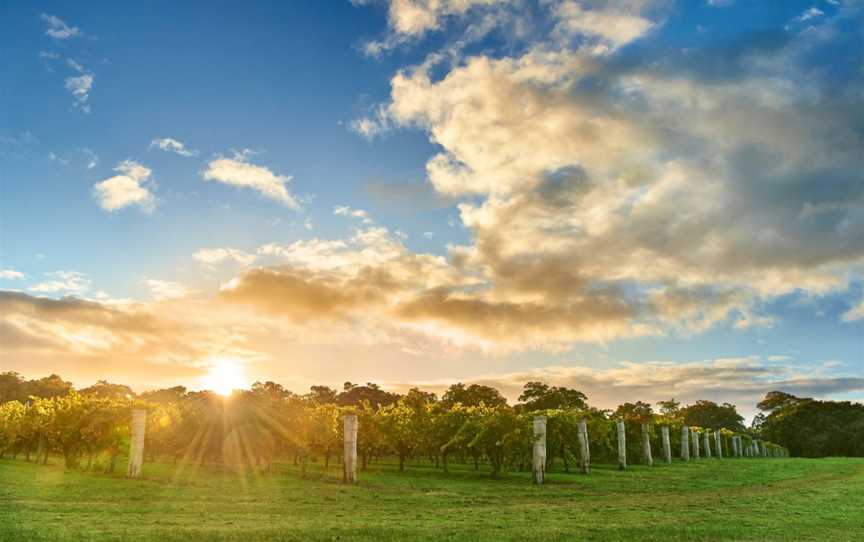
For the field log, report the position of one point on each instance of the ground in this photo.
(729, 499)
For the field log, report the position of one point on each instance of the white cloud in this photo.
(428, 235)
(164, 289)
(126, 189)
(239, 172)
(779, 357)
(92, 157)
(72, 63)
(412, 19)
(855, 313)
(811, 13)
(612, 27)
(11, 274)
(344, 210)
(57, 29)
(628, 192)
(80, 87)
(742, 381)
(213, 256)
(369, 127)
(56, 158)
(172, 145)
(63, 281)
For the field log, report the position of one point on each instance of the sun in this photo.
(224, 376)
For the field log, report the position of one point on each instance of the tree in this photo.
(710, 415)
(670, 408)
(540, 396)
(103, 388)
(49, 386)
(321, 395)
(165, 395)
(473, 395)
(638, 412)
(13, 387)
(775, 400)
(354, 395)
(810, 428)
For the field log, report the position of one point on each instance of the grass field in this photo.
(744, 499)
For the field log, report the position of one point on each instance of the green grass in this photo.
(745, 499)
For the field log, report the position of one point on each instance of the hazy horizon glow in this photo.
(640, 199)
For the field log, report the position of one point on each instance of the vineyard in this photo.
(259, 427)
(268, 464)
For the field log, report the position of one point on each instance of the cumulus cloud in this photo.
(344, 210)
(214, 256)
(667, 193)
(172, 145)
(68, 282)
(412, 19)
(744, 381)
(610, 27)
(299, 294)
(80, 86)
(811, 13)
(165, 289)
(855, 313)
(11, 274)
(238, 171)
(142, 343)
(58, 29)
(127, 189)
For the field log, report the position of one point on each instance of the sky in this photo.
(641, 199)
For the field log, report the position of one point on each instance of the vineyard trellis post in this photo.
(706, 441)
(622, 446)
(646, 445)
(695, 444)
(136, 443)
(584, 450)
(349, 457)
(685, 443)
(667, 445)
(718, 445)
(539, 464)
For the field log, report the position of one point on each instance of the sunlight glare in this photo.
(224, 376)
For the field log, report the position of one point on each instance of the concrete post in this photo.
(695, 444)
(622, 446)
(706, 441)
(349, 452)
(718, 444)
(584, 449)
(136, 443)
(539, 465)
(667, 445)
(646, 446)
(685, 443)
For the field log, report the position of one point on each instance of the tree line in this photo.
(267, 423)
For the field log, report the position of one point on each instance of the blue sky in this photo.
(660, 197)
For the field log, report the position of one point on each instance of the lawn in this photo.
(729, 499)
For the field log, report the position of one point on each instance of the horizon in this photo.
(637, 200)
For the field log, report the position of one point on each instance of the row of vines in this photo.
(260, 430)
